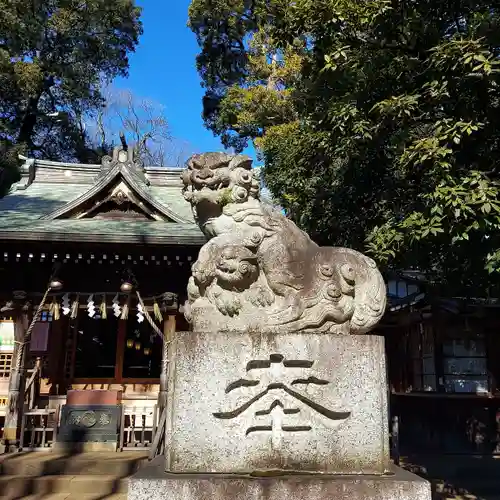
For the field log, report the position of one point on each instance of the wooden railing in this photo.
(32, 389)
(158, 445)
(31, 393)
(138, 427)
(141, 428)
(39, 429)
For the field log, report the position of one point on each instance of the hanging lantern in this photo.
(55, 284)
(128, 282)
(137, 346)
(126, 286)
(130, 343)
(147, 351)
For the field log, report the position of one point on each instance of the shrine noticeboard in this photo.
(40, 337)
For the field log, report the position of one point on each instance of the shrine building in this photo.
(97, 227)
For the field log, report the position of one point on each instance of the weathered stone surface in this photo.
(259, 271)
(244, 402)
(151, 483)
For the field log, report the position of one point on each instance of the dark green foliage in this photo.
(9, 171)
(378, 120)
(54, 56)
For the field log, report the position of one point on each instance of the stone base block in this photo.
(240, 403)
(152, 483)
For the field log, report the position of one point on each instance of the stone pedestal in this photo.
(308, 402)
(277, 415)
(152, 483)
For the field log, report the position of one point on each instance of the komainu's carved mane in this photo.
(259, 271)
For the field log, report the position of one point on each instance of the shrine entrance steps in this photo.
(57, 476)
(104, 476)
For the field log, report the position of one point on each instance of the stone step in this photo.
(51, 464)
(101, 486)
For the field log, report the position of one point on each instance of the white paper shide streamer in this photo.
(91, 306)
(117, 310)
(66, 309)
(140, 313)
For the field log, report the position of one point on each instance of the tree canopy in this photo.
(54, 57)
(378, 120)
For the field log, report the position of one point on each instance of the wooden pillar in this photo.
(121, 342)
(21, 312)
(492, 356)
(438, 324)
(169, 326)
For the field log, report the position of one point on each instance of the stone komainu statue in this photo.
(259, 271)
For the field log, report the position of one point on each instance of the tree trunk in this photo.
(30, 116)
(29, 121)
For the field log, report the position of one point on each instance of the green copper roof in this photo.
(141, 232)
(30, 211)
(37, 200)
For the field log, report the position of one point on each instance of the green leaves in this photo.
(465, 210)
(9, 172)
(340, 56)
(397, 106)
(465, 55)
(384, 135)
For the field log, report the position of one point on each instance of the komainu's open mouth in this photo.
(212, 184)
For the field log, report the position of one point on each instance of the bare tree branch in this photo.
(145, 125)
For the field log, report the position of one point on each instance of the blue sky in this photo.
(163, 69)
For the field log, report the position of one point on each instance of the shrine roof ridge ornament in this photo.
(125, 158)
